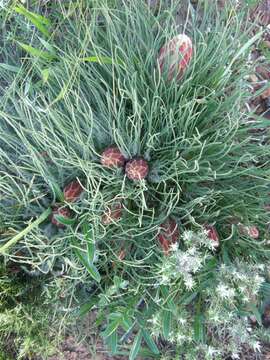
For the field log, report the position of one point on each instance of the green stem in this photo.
(24, 232)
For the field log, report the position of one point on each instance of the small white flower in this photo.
(182, 321)
(235, 356)
(154, 320)
(215, 318)
(180, 338)
(171, 337)
(189, 281)
(174, 247)
(211, 351)
(187, 235)
(256, 346)
(164, 279)
(192, 251)
(225, 292)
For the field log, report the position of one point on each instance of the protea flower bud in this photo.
(251, 231)
(169, 234)
(137, 169)
(61, 211)
(212, 234)
(112, 157)
(72, 191)
(175, 56)
(121, 256)
(112, 214)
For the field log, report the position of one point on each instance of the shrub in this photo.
(193, 159)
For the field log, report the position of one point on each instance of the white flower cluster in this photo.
(234, 335)
(227, 286)
(185, 264)
(182, 264)
(244, 279)
(199, 239)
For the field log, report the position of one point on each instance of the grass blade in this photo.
(45, 55)
(40, 22)
(29, 228)
(11, 68)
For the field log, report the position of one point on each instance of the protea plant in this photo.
(212, 234)
(112, 157)
(168, 235)
(72, 191)
(251, 231)
(61, 211)
(174, 57)
(113, 213)
(137, 169)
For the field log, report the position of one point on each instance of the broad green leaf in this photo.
(150, 342)
(136, 346)
(166, 323)
(88, 234)
(11, 68)
(45, 75)
(112, 342)
(83, 257)
(45, 55)
(111, 328)
(93, 271)
(58, 193)
(187, 299)
(255, 312)
(199, 328)
(102, 60)
(85, 308)
(40, 22)
(98, 59)
(63, 220)
(225, 255)
(40, 18)
(265, 288)
(127, 324)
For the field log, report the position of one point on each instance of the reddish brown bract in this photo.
(212, 234)
(61, 211)
(251, 231)
(112, 214)
(112, 157)
(122, 255)
(175, 56)
(72, 191)
(169, 234)
(137, 169)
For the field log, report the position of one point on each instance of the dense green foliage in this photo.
(80, 79)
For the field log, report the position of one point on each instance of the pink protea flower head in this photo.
(62, 211)
(168, 235)
(175, 56)
(251, 231)
(72, 191)
(113, 213)
(137, 169)
(112, 157)
(212, 234)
